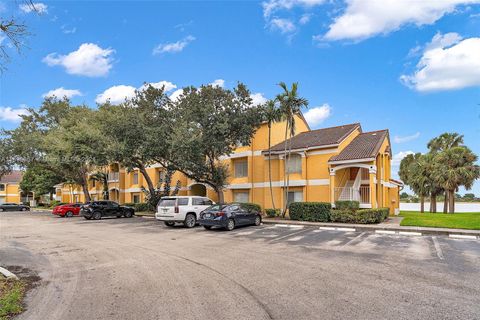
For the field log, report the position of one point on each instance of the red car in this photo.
(67, 210)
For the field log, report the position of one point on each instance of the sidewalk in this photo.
(390, 226)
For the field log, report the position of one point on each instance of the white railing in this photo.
(113, 176)
(360, 194)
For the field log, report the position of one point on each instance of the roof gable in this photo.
(13, 177)
(365, 146)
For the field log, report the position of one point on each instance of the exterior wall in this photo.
(11, 193)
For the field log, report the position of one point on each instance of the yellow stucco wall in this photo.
(10, 193)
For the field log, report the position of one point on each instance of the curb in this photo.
(8, 274)
(382, 229)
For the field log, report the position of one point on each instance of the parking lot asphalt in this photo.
(140, 269)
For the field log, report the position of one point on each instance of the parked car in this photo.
(184, 209)
(67, 210)
(13, 207)
(229, 216)
(97, 209)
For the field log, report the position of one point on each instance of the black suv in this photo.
(97, 209)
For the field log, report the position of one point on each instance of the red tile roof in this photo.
(366, 145)
(13, 177)
(318, 138)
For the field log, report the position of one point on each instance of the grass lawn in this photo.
(441, 220)
(11, 296)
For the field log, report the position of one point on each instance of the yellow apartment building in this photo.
(10, 189)
(329, 164)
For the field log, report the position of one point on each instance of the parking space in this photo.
(151, 269)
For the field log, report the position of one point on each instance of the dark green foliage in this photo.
(139, 207)
(163, 189)
(251, 206)
(365, 216)
(272, 212)
(310, 211)
(347, 205)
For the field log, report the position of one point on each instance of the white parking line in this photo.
(345, 229)
(354, 239)
(385, 231)
(289, 235)
(438, 249)
(409, 233)
(293, 226)
(295, 238)
(327, 228)
(245, 233)
(462, 236)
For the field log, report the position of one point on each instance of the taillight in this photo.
(220, 214)
(176, 209)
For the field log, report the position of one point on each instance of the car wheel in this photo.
(24, 209)
(128, 214)
(190, 221)
(230, 225)
(208, 227)
(169, 223)
(69, 214)
(119, 216)
(258, 220)
(88, 218)
(97, 215)
(1, 209)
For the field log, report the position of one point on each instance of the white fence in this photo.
(459, 206)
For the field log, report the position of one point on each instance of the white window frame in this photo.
(240, 171)
(245, 194)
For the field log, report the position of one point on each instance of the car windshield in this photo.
(167, 202)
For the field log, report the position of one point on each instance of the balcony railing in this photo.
(361, 194)
(113, 176)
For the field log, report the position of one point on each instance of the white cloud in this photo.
(317, 115)
(448, 63)
(116, 94)
(271, 6)
(258, 98)
(218, 83)
(39, 7)
(89, 60)
(305, 18)
(174, 46)
(176, 94)
(366, 18)
(283, 25)
(398, 139)
(397, 158)
(10, 114)
(68, 31)
(62, 92)
(168, 86)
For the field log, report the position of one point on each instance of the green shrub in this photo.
(310, 211)
(140, 207)
(55, 203)
(347, 205)
(272, 212)
(364, 216)
(251, 206)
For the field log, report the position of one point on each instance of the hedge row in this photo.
(347, 205)
(251, 206)
(272, 213)
(140, 207)
(310, 211)
(360, 216)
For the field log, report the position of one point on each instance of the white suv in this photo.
(185, 209)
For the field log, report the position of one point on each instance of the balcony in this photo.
(360, 194)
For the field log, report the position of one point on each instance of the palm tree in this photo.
(290, 105)
(272, 114)
(456, 167)
(412, 173)
(444, 142)
(102, 177)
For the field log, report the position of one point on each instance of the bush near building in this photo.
(272, 213)
(365, 216)
(140, 207)
(251, 206)
(347, 205)
(310, 211)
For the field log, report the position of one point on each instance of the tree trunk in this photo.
(85, 189)
(445, 202)
(151, 187)
(422, 204)
(285, 194)
(451, 201)
(433, 203)
(270, 164)
(288, 173)
(220, 196)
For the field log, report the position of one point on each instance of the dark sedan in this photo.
(229, 216)
(13, 207)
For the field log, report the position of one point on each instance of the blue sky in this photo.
(412, 67)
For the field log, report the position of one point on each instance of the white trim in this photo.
(265, 152)
(351, 161)
(326, 151)
(257, 153)
(318, 182)
(371, 167)
(9, 195)
(155, 165)
(365, 205)
(240, 186)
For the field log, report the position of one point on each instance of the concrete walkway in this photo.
(392, 226)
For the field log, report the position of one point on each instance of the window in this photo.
(135, 178)
(182, 201)
(93, 183)
(161, 176)
(294, 164)
(136, 198)
(240, 196)
(295, 196)
(2, 187)
(197, 201)
(241, 168)
(207, 202)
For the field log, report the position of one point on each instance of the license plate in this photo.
(165, 210)
(208, 215)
